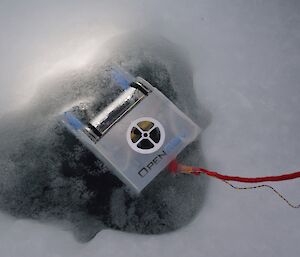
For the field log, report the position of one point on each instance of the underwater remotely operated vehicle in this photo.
(141, 132)
(73, 184)
(130, 125)
(138, 134)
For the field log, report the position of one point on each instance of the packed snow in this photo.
(245, 58)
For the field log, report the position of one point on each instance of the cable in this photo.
(264, 186)
(175, 167)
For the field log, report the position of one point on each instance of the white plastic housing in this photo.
(137, 167)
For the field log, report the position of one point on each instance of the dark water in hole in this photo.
(46, 174)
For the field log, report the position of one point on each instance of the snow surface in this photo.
(246, 60)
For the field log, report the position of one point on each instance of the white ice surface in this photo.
(246, 56)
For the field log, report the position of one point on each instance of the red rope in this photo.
(176, 167)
